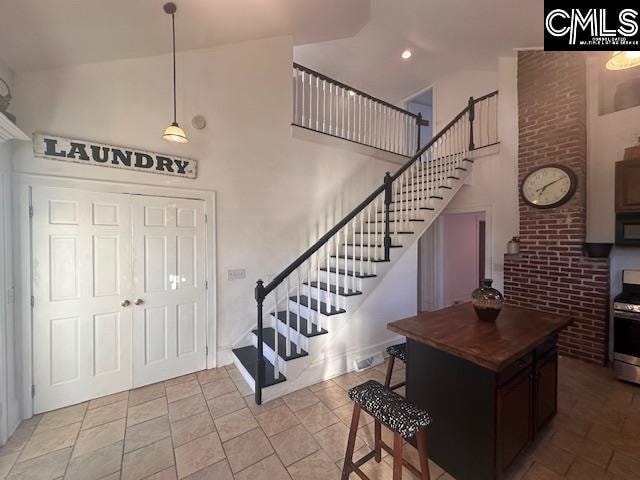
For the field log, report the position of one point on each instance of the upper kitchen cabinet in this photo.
(627, 181)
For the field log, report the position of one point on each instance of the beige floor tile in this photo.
(105, 414)
(146, 411)
(624, 466)
(316, 417)
(373, 374)
(582, 470)
(269, 468)
(247, 449)
(167, 474)
(190, 428)
(218, 388)
(333, 397)
(345, 413)
(225, 404)
(116, 476)
(147, 460)
(50, 441)
(187, 407)
(376, 471)
(46, 467)
(294, 444)
(96, 464)
(146, 394)
(410, 454)
(183, 390)
(182, 379)
(333, 440)
(300, 399)
(322, 385)
(540, 472)
(277, 420)
(317, 466)
(98, 437)
(235, 424)
(212, 375)
(108, 399)
(554, 458)
(348, 380)
(243, 388)
(6, 462)
(217, 471)
(257, 409)
(198, 454)
(21, 436)
(146, 433)
(62, 417)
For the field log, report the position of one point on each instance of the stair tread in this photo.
(373, 246)
(332, 289)
(402, 232)
(391, 221)
(304, 301)
(408, 209)
(248, 358)
(357, 259)
(268, 337)
(293, 323)
(349, 272)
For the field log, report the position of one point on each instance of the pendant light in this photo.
(174, 133)
(623, 60)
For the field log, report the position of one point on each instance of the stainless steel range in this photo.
(626, 328)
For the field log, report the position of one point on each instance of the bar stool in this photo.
(402, 417)
(400, 352)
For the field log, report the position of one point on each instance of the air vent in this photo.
(368, 362)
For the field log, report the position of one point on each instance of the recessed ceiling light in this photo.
(406, 54)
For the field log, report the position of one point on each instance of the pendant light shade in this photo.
(623, 60)
(174, 133)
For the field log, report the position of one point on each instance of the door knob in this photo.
(125, 303)
(139, 301)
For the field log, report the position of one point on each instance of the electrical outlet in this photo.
(237, 274)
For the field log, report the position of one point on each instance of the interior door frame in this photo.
(4, 372)
(24, 183)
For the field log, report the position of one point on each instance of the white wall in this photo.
(275, 194)
(493, 186)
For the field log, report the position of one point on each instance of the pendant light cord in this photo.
(173, 27)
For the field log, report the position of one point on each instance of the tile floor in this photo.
(206, 426)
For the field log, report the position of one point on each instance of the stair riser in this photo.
(269, 354)
(375, 251)
(303, 341)
(342, 301)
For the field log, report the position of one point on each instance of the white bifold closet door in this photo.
(119, 292)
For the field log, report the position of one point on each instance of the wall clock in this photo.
(549, 186)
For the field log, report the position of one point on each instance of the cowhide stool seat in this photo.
(395, 351)
(400, 416)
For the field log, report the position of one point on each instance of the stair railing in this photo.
(328, 106)
(350, 250)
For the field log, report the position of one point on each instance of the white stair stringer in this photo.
(366, 315)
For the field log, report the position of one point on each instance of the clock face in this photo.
(549, 186)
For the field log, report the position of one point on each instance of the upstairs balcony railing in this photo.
(331, 107)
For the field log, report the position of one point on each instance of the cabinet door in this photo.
(546, 387)
(514, 418)
(627, 191)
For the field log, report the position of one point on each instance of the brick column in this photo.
(551, 274)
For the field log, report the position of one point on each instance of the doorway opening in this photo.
(451, 259)
(422, 103)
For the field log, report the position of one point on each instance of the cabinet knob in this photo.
(125, 303)
(139, 301)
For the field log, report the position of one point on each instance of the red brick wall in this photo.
(551, 274)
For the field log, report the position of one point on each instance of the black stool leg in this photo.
(348, 457)
(398, 442)
(377, 441)
(387, 381)
(421, 438)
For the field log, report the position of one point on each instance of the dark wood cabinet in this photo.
(546, 389)
(513, 422)
(627, 181)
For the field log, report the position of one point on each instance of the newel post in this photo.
(387, 204)
(472, 116)
(259, 379)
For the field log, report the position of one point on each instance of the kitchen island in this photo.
(490, 387)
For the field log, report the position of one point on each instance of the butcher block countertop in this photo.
(457, 330)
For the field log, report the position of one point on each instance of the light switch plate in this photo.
(237, 274)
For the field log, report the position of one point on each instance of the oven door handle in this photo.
(627, 315)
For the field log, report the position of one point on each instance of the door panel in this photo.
(169, 326)
(81, 274)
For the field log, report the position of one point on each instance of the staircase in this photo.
(301, 311)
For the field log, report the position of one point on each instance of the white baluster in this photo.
(299, 322)
(369, 239)
(276, 364)
(308, 320)
(361, 242)
(302, 102)
(288, 344)
(327, 252)
(324, 105)
(353, 257)
(318, 318)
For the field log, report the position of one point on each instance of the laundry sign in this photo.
(83, 151)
